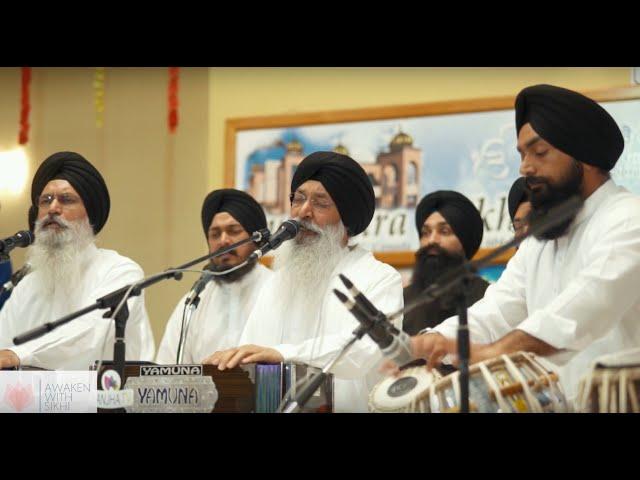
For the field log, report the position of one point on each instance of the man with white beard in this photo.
(71, 202)
(297, 318)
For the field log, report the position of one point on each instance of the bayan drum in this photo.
(509, 383)
(612, 386)
(406, 393)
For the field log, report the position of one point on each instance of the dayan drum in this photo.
(406, 393)
(612, 386)
(510, 383)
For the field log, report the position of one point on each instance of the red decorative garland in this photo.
(173, 98)
(25, 106)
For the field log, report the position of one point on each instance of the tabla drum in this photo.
(516, 383)
(406, 393)
(612, 386)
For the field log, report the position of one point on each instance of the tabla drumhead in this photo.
(398, 393)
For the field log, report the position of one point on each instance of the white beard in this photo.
(59, 259)
(305, 266)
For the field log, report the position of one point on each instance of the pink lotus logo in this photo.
(110, 383)
(111, 380)
(18, 396)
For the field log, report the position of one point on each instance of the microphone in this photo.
(199, 286)
(394, 344)
(23, 238)
(288, 230)
(16, 278)
(357, 295)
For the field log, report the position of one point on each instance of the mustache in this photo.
(54, 220)
(306, 225)
(216, 265)
(432, 248)
(535, 181)
(427, 252)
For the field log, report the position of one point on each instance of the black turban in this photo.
(83, 177)
(347, 183)
(460, 214)
(238, 204)
(571, 122)
(517, 195)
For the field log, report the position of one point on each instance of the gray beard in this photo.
(305, 266)
(60, 259)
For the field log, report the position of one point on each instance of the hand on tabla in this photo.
(389, 368)
(433, 347)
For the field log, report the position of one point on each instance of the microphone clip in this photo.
(261, 236)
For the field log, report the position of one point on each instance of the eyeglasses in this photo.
(298, 199)
(64, 199)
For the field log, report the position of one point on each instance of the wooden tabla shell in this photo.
(516, 383)
(611, 388)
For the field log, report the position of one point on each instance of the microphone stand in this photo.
(464, 346)
(314, 383)
(188, 313)
(118, 297)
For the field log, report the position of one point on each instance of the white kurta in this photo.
(579, 292)
(313, 338)
(77, 344)
(217, 322)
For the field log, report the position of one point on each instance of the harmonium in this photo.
(259, 388)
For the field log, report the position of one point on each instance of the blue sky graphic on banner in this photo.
(406, 158)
